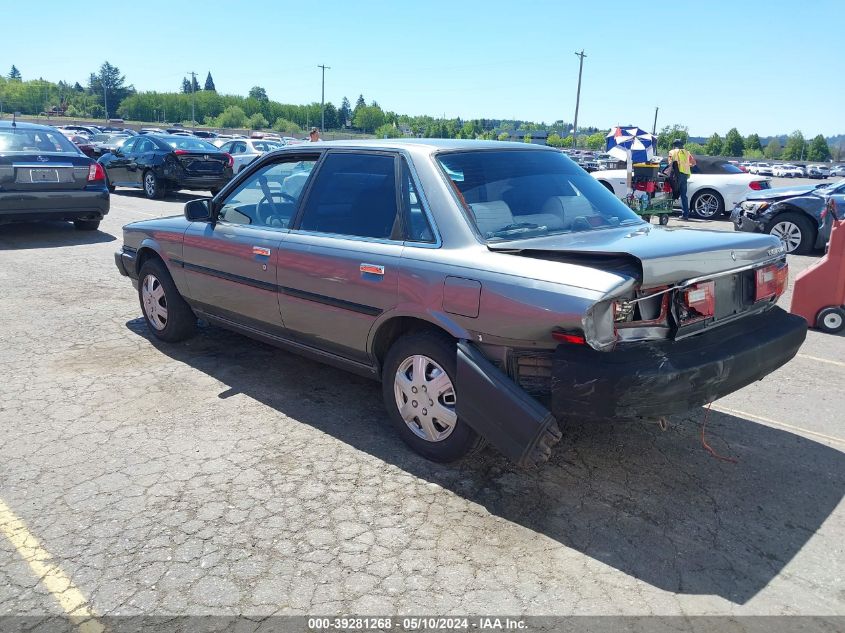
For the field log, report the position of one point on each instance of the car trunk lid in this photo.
(43, 172)
(201, 163)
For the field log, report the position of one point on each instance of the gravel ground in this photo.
(223, 476)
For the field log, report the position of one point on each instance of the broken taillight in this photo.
(700, 300)
(568, 337)
(771, 281)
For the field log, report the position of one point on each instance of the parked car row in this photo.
(791, 170)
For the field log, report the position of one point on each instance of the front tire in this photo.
(418, 387)
(795, 231)
(167, 314)
(707, 205)
(153, 187)
(86, 225)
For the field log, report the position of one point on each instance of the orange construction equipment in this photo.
(819, 292)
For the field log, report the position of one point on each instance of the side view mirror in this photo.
(198, 210)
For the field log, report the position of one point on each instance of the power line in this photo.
(577, 98)
(323, 98)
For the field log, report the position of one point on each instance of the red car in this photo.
(84, 145)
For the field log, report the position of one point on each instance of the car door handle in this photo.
(373, 269)
(261, 250)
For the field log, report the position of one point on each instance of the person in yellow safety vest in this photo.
(682, 162)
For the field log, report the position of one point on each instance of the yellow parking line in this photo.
(760, 418)
(51, 575)
(822, 360)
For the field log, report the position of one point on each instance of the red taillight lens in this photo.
(756, 185)
(771, 281)
(566, 337)
(180, 152)
(700, 300)
(230, 159)
(96, 172)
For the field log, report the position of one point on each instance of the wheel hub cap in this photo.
(431, 417)
(154, 302)
(789, 233)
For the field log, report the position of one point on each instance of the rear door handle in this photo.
(373, 269)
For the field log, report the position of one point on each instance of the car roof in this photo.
(21, 125)
(431, 144)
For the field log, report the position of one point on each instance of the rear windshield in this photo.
(27, 141)
(516, 194)
(706, 166)
(189, 143)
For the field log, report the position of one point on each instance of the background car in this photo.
(246, 150)
(818, 171)
(787, 171)
(105, 142)
(763, 169)
(797, 215)
(715, 185)
(158, 164)
(43, 176)
(838, 170)
(84, 144)
(90, 130)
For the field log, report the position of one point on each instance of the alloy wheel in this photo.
(150, 184)
(155, 302)
(706, 205)
(789, 233)
(832, 321)
(425, 398)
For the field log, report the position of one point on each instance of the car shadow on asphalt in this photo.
(26, 235)
(652, 504)
(171, 196)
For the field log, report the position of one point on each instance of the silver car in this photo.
(495, 289)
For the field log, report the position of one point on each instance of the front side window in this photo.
(515, 194)
(354, 194)
(269, 197)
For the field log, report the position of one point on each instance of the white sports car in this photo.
(715, 186)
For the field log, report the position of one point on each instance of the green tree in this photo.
(109, 86)
(695, 148)
(360, 103)
(258, 93)
(818, 150)
(753, 153)
(14, 74)
(713, 147)
(752, 142)
(669, 133)
(344, 114)
(734, 144)
(195, 85)
(186, 86)
(330, 116)
(504, 136)
(209, 83)
(526, 138)
(368, 118)
(257, 122)
(232, 117)
(553, 140)
(285, 125)
(596, 140)
(772, 149)
(794, 148)
(388, 131)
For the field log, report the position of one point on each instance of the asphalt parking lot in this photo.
(223, 476)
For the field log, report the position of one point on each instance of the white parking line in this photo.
(822, 360)
(57, 582)
(765, 420)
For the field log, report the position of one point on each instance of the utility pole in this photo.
(106, 101)
(323, 99)
(581, 55)
(193, 99)
(654, 127)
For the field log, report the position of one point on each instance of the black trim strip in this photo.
(291, 292)
(253, 283)
(331, 301)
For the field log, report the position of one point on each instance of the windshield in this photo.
(28, 141)
(515, 194)
(190, 143)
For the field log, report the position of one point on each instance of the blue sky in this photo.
(762, 66)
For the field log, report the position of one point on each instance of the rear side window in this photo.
(354, 194)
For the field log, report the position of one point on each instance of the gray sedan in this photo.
(495, 289)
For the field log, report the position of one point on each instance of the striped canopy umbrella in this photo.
(630, 143)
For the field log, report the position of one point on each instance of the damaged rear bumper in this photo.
(649, 380)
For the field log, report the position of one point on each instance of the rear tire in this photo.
(413, 373)
(153, 187)
(167, 314)
(831, 320)
(707, 205)
(86, 225)
(795, 231)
